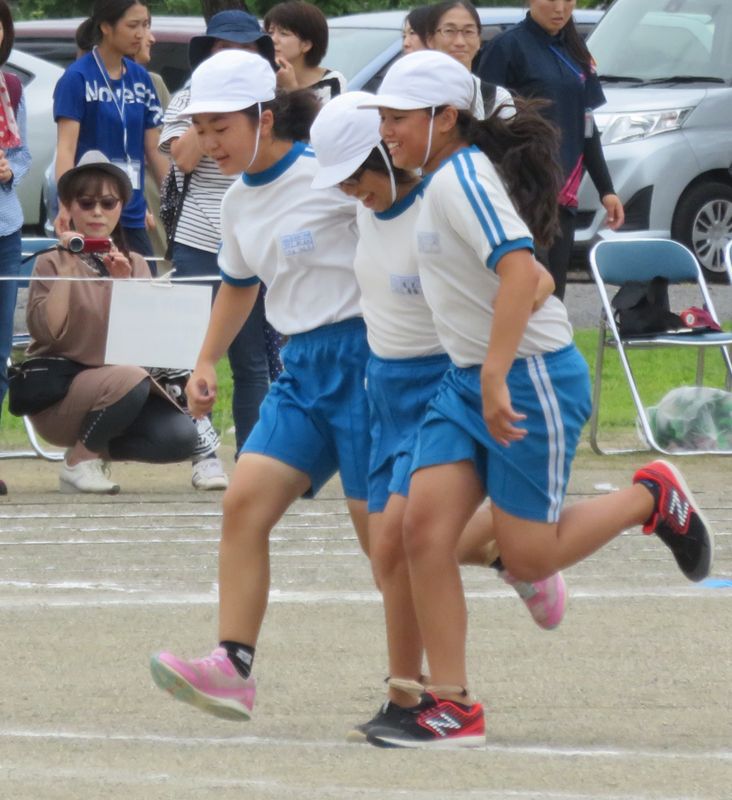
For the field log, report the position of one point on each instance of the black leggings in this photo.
(556, 258)
(140, 427)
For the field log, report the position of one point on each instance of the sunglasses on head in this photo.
(108, 202)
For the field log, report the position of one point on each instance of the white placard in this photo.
(157, 324)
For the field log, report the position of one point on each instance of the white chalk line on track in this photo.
(606, 752)
(147, 598)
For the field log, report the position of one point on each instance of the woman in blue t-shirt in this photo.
(544, 57)
(105, 101)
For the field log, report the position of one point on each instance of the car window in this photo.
(61, 50)
(23, 76)
(653, 39)
(351, 49)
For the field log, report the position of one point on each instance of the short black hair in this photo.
(438, 11)
(306, 21)
(6, 18)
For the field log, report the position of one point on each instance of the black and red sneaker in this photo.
(677, 520)
(433, 723)
(388, 713)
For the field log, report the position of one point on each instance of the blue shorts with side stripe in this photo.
(528, 478)
(315, 417)
(399, 390)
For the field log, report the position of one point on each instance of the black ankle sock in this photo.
(241, 656)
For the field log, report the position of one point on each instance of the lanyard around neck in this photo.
(573, 67)
(119, 106)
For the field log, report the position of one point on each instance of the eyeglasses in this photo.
(108, 202)
(354, 180)
(468, 32)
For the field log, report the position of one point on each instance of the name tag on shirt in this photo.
(428, 242)
(405, 284)
(299, 242)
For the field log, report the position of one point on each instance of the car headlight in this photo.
(617, 128)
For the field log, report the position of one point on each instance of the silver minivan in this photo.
(666, 68)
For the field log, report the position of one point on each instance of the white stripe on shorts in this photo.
(555, 433)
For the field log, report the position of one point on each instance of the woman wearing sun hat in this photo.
(314, 421)
(197, 235)
(110, 412)
(406, 365)
(508, 413)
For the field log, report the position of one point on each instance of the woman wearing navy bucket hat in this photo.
(313, 422)
(196, 235)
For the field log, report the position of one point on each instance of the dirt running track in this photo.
(630, 698)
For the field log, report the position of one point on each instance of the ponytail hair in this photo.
(525, 152)
(576, 46)
(294, 113)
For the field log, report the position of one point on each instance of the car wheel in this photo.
(703, 222)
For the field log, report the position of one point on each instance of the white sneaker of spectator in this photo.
(209, 474)
(86, 476)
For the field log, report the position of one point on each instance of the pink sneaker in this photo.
(545, 599)
(211, 683)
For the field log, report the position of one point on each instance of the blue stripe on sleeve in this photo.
(238, 281)
(469, 189)
(483, 198)
(506, 247)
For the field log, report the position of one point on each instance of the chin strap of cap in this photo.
(392, 180)
(256, 139)
(429, 138)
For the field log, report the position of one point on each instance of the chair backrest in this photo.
(618, 261)
(29, 246)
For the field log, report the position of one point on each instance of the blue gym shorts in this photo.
(315, 415)
(398, 391)
(528, 478)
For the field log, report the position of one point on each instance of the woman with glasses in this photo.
(545, 57)
(454, 27)
(110, 413)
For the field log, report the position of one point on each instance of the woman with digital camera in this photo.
(108, 412)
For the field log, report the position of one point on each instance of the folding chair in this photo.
(30, 246)
(619, 261)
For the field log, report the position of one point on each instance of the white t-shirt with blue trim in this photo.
(466, 224)
(299, 241)
(398, 320)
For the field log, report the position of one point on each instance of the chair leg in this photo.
(597, 389)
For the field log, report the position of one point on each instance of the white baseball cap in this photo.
(230, 80)
(425, 79)
(342, 136)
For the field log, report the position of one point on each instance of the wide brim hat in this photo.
(231, 26)
(95, 161)
(343, 136)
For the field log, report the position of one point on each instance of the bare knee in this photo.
(387, 552)
(527, 566)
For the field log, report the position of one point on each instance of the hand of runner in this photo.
(498, 412)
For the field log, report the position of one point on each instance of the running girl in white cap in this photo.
(314, 421)
(406, 365)
(508, 414)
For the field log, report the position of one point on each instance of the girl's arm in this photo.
(67, 139)
(156, 161)
(186, 151)
(512, 308)
(544, 288)
(230, 311)
(47, 313)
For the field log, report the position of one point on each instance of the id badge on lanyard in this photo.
(131, 166)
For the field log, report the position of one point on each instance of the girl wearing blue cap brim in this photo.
(314, 420)
(508, 414)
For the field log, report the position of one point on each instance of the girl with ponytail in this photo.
(506, 418)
